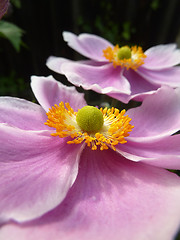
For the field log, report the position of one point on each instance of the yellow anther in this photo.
(125, 56)
(112, 130)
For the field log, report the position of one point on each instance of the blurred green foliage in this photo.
(11, 32)
(16, 3)
(12, 85)
(108, 25)
(155, 4)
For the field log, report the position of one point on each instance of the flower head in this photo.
(125, 56)
(52, 189)
(104, 127)
(123, 73)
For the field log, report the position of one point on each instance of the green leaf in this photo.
(11, 32)
(16, 3)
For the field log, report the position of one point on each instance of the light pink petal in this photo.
(167, 76)
(112, 198)
(22, 114)
(162, 56)
(48, 92)
(89, 45)
(36, 172)
(158, 116)
(103, 79)
(55, 63)
(161, 152)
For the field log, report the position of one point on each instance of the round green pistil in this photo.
(90, 119)
(124, 53)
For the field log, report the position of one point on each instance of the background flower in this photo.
(72, 192)
(124, 84)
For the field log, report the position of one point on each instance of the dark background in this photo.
(141, 22)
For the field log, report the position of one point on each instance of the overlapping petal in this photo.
(112, 198)
(164, 153)
(55, 63)
(158, 116)
(88, 45)
(49, 92)
(167, 76)
(140, 89)
(36, 172)
(154, 122)
(102, 79)
(162, 56)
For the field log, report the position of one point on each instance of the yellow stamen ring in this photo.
(125, 56)
(115, 127)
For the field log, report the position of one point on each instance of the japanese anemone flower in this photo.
(123, 73)
(87, 173)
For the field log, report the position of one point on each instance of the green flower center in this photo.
(90, 119)
(124, 53)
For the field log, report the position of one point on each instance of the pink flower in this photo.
(122, 73)
(3, 7)
(50, 189)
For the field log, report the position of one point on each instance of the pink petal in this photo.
(162, 56)
(4, 4)
(36, 172)
(161, 152)
(140, 88)
(112, 198)
(22, 114)
(103, 79)
(167, 76)
(89, 45)
(48, 92)
(158, 116)
(55, 63)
